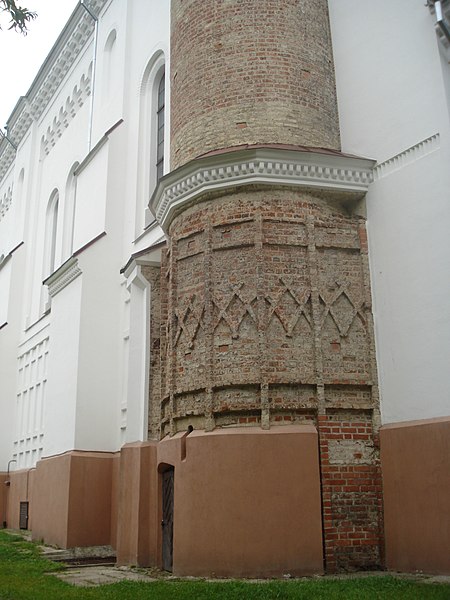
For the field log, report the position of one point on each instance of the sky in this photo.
(21, 56)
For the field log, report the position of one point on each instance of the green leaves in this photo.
(20, 16)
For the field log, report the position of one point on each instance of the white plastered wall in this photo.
(391, 84)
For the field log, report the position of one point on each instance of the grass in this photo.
(24, 575)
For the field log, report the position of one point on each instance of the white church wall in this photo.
(98, 380)
(61, 397)
(11, 289)
(91, 199)
(110, 68)
(393, 107)
(145, 49)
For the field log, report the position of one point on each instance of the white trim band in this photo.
(266, 166)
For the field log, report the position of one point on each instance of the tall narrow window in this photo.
(50, 234)
(160, 128)
(69, 213)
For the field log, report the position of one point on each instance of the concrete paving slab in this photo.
(93, 576)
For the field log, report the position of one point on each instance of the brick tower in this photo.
(268, 346)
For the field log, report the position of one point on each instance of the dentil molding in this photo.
(315, 169)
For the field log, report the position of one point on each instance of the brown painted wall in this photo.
(19, 491)
(115, 498)
(415, 460)
(3, 492)
(89, 514)
(137, 525)
(72, 499)
(247, 501)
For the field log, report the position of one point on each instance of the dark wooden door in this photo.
(167, 522)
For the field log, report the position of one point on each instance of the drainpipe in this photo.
(440, 19)
(94, 65)
(7, 483)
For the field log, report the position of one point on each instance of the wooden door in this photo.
(167, 522)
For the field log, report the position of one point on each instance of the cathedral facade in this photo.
(224, 305)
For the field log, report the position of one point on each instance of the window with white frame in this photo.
(152, 142)
(69, 212)
(160, 121)
(51, 226)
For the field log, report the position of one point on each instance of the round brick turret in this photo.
(251, 71)
(265, 290)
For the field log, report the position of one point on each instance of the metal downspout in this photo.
(440, 19)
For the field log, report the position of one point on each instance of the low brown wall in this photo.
(246, 502)
(137, 511)
(3, 492)
(415, 459)
(72, 499)
(115, 498)
(19, 490)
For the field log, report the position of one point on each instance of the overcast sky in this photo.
(21, 57)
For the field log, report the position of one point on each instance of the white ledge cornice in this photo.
(61, 278)
(76, 34)
(327, 171)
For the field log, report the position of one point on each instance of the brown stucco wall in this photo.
(247, 501)
(415, 459)
(20, 490)
(3, 492)
(89, 515)
(72, 499)
(115, 498)
(137, 525)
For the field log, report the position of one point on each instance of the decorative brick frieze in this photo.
(269, 322)
(301, 309)
(265, 290)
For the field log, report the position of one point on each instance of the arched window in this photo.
(152, 143)
(160, 127)
(108, 63)
(51, 225)
(69, 212)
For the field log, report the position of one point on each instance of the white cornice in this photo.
(5, 201)
(407, 157)
(66, 273)
(67, 48)
(263, 166)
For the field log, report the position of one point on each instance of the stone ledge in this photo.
(307, 168)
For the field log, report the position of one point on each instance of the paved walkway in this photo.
(93, 576)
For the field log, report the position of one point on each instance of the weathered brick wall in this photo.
(267, 289)
(270, 322)
(251, 71)
(153, 276)
(266, 305)
(351, 490)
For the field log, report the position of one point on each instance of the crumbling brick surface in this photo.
(269, 322)
(251, 71)
(351, 491)
(265, 291)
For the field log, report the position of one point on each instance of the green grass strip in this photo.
(25, 575)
